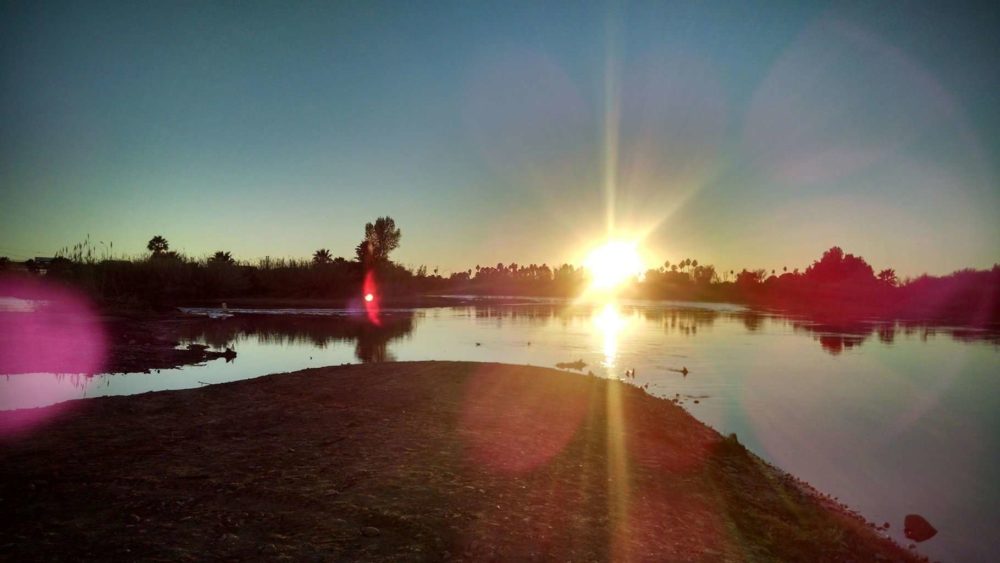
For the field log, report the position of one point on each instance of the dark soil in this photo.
(405, 461)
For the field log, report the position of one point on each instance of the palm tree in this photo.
(158, 245)
(221, 258)
(322, 256)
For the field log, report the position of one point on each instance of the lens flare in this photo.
(371, 302)
(514, 422)
(45, 329)
(610, 323)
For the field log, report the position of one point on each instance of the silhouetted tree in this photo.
(888, 277)
(836, 267)
(381, 238)
(704, 275)
(365, 252)
(221, 258)
(322, 256)
(748, 278)
(158, 245)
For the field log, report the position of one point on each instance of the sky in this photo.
(738, 134)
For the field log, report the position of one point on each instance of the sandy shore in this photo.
(404, 461)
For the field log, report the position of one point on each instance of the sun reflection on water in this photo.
(610, 323)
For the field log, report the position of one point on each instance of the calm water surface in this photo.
(890, 418)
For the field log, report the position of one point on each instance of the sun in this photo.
(613, 263)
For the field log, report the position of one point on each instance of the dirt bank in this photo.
(404, 461)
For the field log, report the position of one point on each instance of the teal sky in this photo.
(741, 135)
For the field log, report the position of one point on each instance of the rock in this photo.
(917, 528)
(370, 531)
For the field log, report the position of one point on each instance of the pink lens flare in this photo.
(53, 330)
(512, 424)
(371, 299)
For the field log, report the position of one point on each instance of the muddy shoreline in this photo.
(405, 461)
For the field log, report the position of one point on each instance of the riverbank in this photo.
(424, 460)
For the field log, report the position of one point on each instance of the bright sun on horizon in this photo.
(613, 263)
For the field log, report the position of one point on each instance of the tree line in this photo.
(837, 283)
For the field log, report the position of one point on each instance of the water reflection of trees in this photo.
(837, 336)
(684, 321)
(371, 341)
(536, 314)
(680, 320)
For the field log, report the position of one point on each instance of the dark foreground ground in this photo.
(405, 461)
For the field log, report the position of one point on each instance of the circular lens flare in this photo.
(613, 263)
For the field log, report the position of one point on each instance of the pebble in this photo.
(370, 531)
